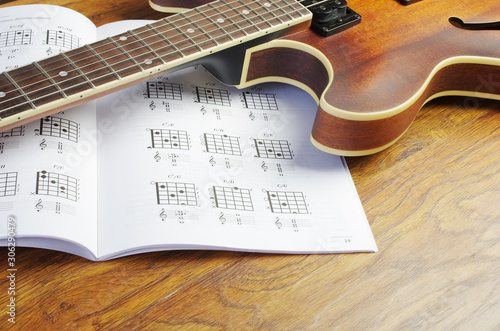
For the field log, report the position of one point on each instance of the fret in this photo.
(102, 44)
(47, 76)
(219, 35)
(90, 65)
(132, 47)
(12, 99)
(167, 51)
(36, 88)
(75, 67)
(135, 54)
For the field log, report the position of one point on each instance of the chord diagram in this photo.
(14, 132)
(16, 37)
(54, 184)
(59, 127)
(222, 144)
(171, 139)
(162, 90)
(170, 193)
(62, 39)
(259, 101)
(273, 149)
(232, 198)
(287, 202)
(212, 96)
(8, 184)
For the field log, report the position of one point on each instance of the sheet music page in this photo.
(48, 167)
(187, 162)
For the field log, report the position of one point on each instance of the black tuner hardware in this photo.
(331, 16)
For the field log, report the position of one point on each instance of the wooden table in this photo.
(433, 204)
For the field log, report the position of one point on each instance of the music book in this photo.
(178, 162)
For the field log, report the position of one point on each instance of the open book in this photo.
(178, 162)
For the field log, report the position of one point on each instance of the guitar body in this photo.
(371, 80)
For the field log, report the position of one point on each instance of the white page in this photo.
(48, 168)
(187, 162)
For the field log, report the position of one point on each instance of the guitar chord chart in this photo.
(259, 101)
(212, 96)
(273, 149)
(15, 132)
(15, 38)
(8, 184)
(59, 127)
(170, 193)
(171, 139)
(62, 39)
(222, 144)
(232, 198)
(57, 185)
(287, 202)
(162, 90)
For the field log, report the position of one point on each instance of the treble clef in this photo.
(39, 206)
(163, 215)
(278, 223)
(157, 157)
(222, 219)
(43, 144)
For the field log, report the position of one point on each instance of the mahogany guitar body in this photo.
(371, 80)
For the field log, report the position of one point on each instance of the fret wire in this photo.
(222, 13)
(252, 11)
(214, 22)
(81, 74)
(50, 79)
(19, 89)
(219, 11)
(186, 35)
(157, 56)
(99, 57)
(200, 27)
(125, 52)
(226, 17)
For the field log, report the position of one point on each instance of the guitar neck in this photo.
(96, 69)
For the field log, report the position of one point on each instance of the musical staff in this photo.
(8, 184)
(287, 202)
(170, 193)
(14, 132)
(273, 149)
(232, 198)
(8, 145)
(54, 184)
(222, 144)
(59, 127)
(15, 38)
(55, 207)
(259, 101)
(171, 139)
(62, 39)
(212, 96)
(162, 90)
(292, 224)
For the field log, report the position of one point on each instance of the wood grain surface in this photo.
(432, 201)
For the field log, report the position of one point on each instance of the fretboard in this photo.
(85, 73)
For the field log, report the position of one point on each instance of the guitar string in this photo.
(182, 19)
(168, 22)
(162, 42)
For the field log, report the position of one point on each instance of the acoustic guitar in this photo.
(370, 65)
